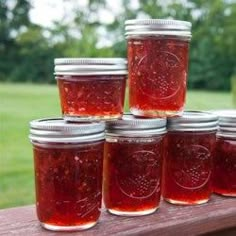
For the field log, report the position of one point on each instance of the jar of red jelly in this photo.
(132, 165)
(224, 172)
(68, 160)
(158, 66)
(91, 88)
(187, 166)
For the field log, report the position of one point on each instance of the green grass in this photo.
(20, 103)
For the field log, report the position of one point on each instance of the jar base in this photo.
(67, 228)
(155, 113)
(226, 194)
(132, 213)
(176, 202)
(91, 118)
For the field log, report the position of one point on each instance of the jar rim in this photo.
(129, 124)
(161, 23)
(90, 61)
(227, 121)
(90, 66)
(168, 27)
(193, 121)
(143, 34)
(58, 130)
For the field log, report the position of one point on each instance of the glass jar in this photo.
(68, 160)
(91, 88)
(224, 171)
(187, 166)
(158, 66)
(132, 165)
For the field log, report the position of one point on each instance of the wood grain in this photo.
(214, 218)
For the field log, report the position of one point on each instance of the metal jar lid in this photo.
(227, 122)
(90, 66)
(57, 130)
(129, 125)
(193, 121)
(141, 27)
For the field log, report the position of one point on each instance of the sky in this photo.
(44, 12)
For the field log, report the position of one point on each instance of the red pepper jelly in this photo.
(91, 88)
(224, 171)
(158, 66)
(68, 161)
(187, 166)
(132, 165)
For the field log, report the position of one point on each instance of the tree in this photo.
(212, 53)
(212, 48)
(27, 50)
(13, 20)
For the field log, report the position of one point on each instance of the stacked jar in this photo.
(68, 160)
(91, 88)
(69, 152)
(224, 171)
(158, 66)
(187, 168)
(134, 150)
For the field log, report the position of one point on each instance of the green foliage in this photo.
(27, 50)
(35, 58)
(213, 52)
(13, 21)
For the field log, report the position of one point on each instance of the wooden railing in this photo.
(218, 217)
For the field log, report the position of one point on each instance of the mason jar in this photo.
(134, 150)
(224, 169)
(68, 161)
(187, 166)
(91, 88)
(158, 66)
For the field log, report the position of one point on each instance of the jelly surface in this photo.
(187, 167)
(224, 174)
(68, 183)
(158, 70)
(101, 96)
(132, 174)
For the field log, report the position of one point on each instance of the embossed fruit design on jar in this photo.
(68, 161)
(224, 171)
(158, 66)
(187, 166)
(91, 88)
(134, 150)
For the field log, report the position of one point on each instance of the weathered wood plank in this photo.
(217, 215)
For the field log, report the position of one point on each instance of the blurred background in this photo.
(33, 33)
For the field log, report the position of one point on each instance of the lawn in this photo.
(20, 103)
